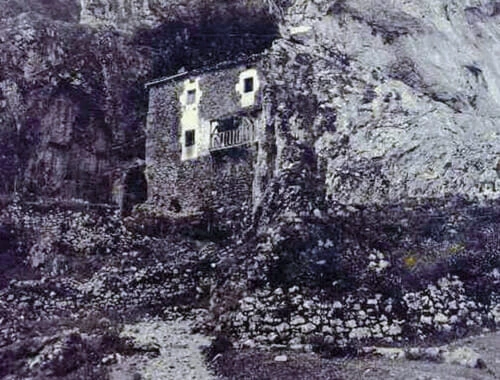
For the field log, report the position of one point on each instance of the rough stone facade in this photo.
(202, 144)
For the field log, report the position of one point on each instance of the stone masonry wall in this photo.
(162, 147)
(220, 97)
(291, 318)
(221, 181)
(232, 186)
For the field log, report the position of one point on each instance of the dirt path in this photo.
(179, 356)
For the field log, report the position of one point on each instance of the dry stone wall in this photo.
(291, 318)
(402, 273)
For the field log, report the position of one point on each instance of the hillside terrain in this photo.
(378, 225)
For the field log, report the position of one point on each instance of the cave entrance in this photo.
(135, 190)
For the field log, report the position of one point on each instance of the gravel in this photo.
(180, 355)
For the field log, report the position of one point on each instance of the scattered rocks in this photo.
(464, 356)
(281, 358)
(389, 353)
(180, 355)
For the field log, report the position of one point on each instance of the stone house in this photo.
(202, 145)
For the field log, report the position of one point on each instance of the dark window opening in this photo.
(248, 85)
(175, 205)
(191, 96)
(189, 138)
(228, 124)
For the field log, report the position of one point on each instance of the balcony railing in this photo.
(244, 134)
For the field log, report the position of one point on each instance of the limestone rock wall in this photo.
(64, 10)
(70, 107)
(413, 90)
(132, 13)
(401, 99)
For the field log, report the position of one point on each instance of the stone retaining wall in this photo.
(286, 317)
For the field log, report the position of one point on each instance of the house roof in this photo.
(219, 66)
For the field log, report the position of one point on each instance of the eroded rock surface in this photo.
(412, 92)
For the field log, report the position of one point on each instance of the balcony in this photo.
(241, 133)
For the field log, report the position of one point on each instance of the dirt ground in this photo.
(487, 346)
(180, 357)
(259, 365)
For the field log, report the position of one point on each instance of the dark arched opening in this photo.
(135, 190)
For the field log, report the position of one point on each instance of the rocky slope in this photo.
(381, 195)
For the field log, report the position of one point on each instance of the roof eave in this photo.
(165, 79)
(221, 66)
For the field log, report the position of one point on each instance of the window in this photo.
(228, 124)
(191, 96)
(189, 138)
(248, 85)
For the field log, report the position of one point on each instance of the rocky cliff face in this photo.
(380, 169)
(402, 98)
(392, 101)
(70, 101)
(53, 9)
(129, 14)
(384, 119)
